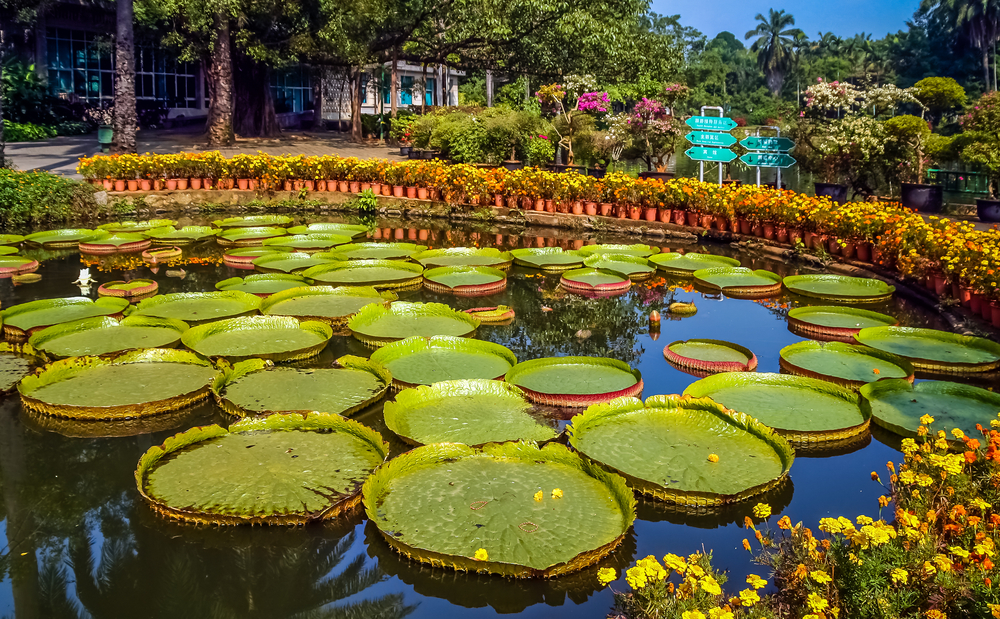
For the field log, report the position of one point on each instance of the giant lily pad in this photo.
(739, 281)
(198, 307)
(552, 259)
(642, 251)
(298, 469)
(377, 325)
(933, 350)
(245, 237)
(263, 284)
(63, 239)
(684, 265)
(16, 362)
(308, 242)
(804, 410)
(635, 268)
(17, 265)
(835, 323)
(132, 290)
(664, 449)
(137, 226)
(464, 257)
(898, 405)
(256, 387)
(379, 251)
(294, 262)
(843, 364)
(21, 320)
(441, 503)
(710, 356)
(276, 338)
(595, 281)
(351, 230)
(104, 335)
(473, 412)
(575, 381)
(840, 288)
(169, 235)
(465, 281)
(243, 257)
(332, 305)
(8, 250)
(11, 239)
(117, 243)
(427, 360)
(254, 221)
(132, 384)
(382, 274)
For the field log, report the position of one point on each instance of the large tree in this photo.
(773, 46)
(978, 20)
(125, 117)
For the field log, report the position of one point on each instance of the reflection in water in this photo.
(651, 510)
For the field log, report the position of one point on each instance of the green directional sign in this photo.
(709, 138)
(711, 123)
(701, 153)
(768, 160)
(776, 144)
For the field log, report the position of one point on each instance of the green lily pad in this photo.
(169, 235)
(635, 268)
(575, 381)
(379, 251)
(256, 387)
(263, 284)
(465, 281)
(378, 273)
(830, 321)
(472, 412)
(441, 503)
(17, 265)
(294, 262)
(301, 469)
(428, 360)
(351, 230)
(933, 350)
(684, 265)
(276, 338)
(16, 362)
(198, 307)
(840, 288)
(254, 221)
(308, 242)
(598, 281)
(11, 239)
(137, 226)
(843, 364)
(552, 259)
(64, 238)
(103, 335)
(134, 384)
(332, 305)
(123, 242)
(7, 250)
(710, 356)
(898, 406)
(739, 280)
(18, 320)
(643, 251)
(377, 325)
(464, 257)
(247, 236)
(243, 257)
(664, 449)
(131, 290)
(803, 409)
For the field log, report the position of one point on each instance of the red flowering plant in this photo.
(571, 103)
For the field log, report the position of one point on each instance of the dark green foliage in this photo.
(27, 197)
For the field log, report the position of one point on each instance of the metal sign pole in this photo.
(722, 114)
(701, 171)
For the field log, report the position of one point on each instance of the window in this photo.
(406, 90)
(430, 90)
(291, 89)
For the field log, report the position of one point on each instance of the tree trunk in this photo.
(356, 135)
(319, 98)
(394, 87)
(254, 108)
(3, 141)
(220, 86)
(986, 69)
(125, 117)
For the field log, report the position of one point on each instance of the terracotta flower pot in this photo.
(422, 193)
(590, 208)
(848, 249)
(721, 223)
(422, 235)
(864, 249)
(322, 185)
(132, 185)
(975, 303)
(411, 234)
(109, 185)
(411, 193)
(769, 231)
(665, 215)
(159, 184)
(679, 216)
(833, 246)
(243, 184)
(365, 186)
(309, 185)
(692, 218)
(705, 221)
(399, 234)
(355, 187)
(794, 236)
(344, 186)
(605, 209)
(744, 226)
(781, 234)
(435, 193)
(635, 213)
(964, 295)
(386, 190)
(539, 205)
(578, 207)
(145, 184)
(809, 239)
(398, 191)
(195, 183)
(182, 184)
(297, 185)
(562, 206)
(550, 206)
(757, 230)
(650, 213)
(120, 185)
(288, 185)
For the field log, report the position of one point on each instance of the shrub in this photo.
(44, 197)
(73, 127)
(939, 94)
(540, 150)
(26, 132)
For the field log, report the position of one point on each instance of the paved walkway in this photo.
(61, 154)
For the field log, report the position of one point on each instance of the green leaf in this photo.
(643, 251)
(47, 312)
(683, 265)
(841, 317)
(379, 251)
(548, 258)
(573, 375)
(840, 288)
(898, 406)
(377, 325)
(427, 360)
(295, 262)
(930, 349)
(844, 364)
(197, 307)
(378, 273)
(278, 338)
(464, 256)
(263, 283)
(104, 335)
(308, 242)
(723, 278)
(251, 221)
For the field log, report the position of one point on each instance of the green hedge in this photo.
(26, 132)
(44, 197)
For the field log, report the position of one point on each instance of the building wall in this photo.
(337, 98)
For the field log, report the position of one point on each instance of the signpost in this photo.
(778, 144)
(700, 153)
(711, 140)
(768, 160)
(711, 123)
(708, 138)
(770, 152)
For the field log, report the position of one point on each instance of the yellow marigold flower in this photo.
(995, 610)
(926, 420)
(720, 613)
(557, 493)
(941, 444)
(820, 576)
(654, 571)
(748, 597)
(636, 577)
(713, 458)
(854, 559)
(817, 603)
(710, 585)
(695, 570)
(606, 575)
(922, 430)
(692, 614)
(801, 571)
(907, 477)
(756, 581)
(899, 576)
(883, 501)
(481, 555)
(942, 562)
(761, 510)
(830, 525)
(980, 504)
(538, 496)
(863, 520)
(935, 614)
(674, 562)
(961, 553)
(958, 434)
(924, 480)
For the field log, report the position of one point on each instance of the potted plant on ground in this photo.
(981, 140)
(573, 118)
(906, 155)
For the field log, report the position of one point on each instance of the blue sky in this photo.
(842, 17)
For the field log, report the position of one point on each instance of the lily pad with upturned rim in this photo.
(162, 254)
(595, 281)
(169, 235)
(63, 238)
(21, 320)
(844, 364)
(642, 251)
(8, 250)
(898, 405)
(351, 230)
(103, 335)
(246, 237)
(575, 381)
(17, 265)
(933, 350)
(253, 221)
(711, 356)
(263, 284)
(840, 288)
(329, 304)
(308, 243)
(137, 226)
(664, 448)
(133, 384)
(243, 257)
(131, 290)
(117, 243)
(465, 257)
(685, 265)
(294, 262)
(427, 360)
(382, 274)
(276, 338)
(551, 259)
(379, 251)
(11, 239)
(16, 362)
(472, 412)
(803, 410)
(739, 281)
(302, 469)
(465, 281)
(635, 268)
(835, 322)
(376, 325)
(498, 315)
(257, 387)
(441, 503)
(198, 307)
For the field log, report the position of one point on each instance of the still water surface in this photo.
(79, 541)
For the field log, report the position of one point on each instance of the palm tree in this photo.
(979, 20)
(774, 46)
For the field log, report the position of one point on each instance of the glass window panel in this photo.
(107, 84)
(65, 55)
(170, 92)
(79, 55)
(80, 83)
(147, 86)
(191, 90)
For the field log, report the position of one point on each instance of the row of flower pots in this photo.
(977, 303)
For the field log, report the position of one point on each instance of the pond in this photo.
(81, 542)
